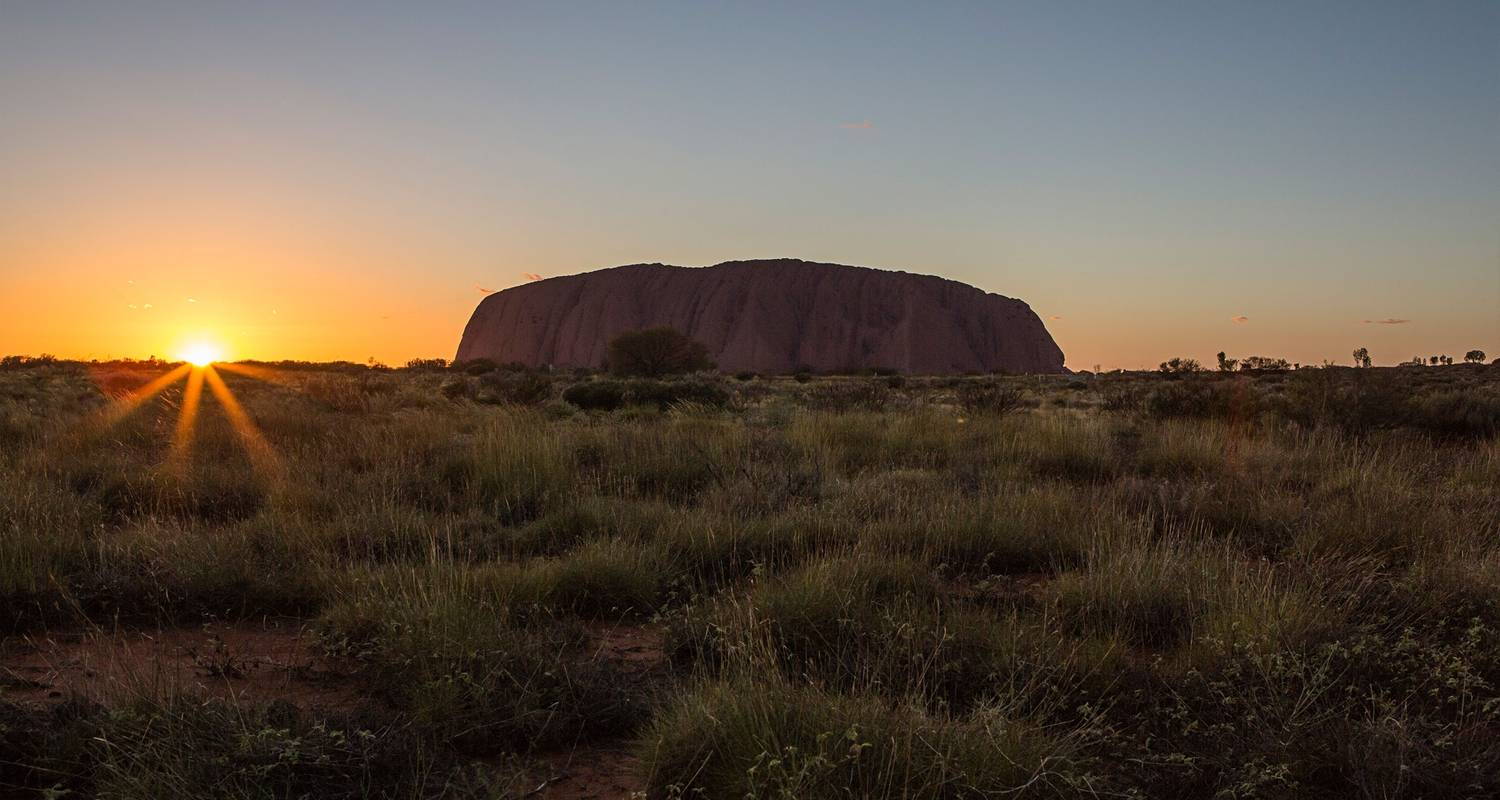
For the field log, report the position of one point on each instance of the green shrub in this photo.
(666, 394)
(655, 352)
(1203, 398)
(596, 395)
(990, 397)
(848, 395)
(1472, 414)
(523, 388)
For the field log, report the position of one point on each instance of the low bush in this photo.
(990, 397)
(1203, 398)
(666, 394)
(523, 388)
(596, 395)
(848, 395)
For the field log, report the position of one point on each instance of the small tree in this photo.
(1362, 357)
(1474, 357)
(1445, 359)
(1178, 366)
(1432, 360)
(1227, 364)
(1249, 363)
(655, 352)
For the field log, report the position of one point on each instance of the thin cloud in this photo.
(191, 300)
(483, 290)
(531, 276)
(1055, 316)
(857, 126)
(1239, 320)
(1387, 321)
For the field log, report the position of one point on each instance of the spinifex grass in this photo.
(1255, 586)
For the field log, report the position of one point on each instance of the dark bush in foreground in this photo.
(666, 394)
(515, 388)
(850, 395)
(1471, 414)
(1357, 403)
(655, 352)
(990, 397)
(596, 395)
(606, 395)
(1204, 399)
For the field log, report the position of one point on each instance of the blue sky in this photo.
(1144, 172)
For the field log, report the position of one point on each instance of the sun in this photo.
(201, 354)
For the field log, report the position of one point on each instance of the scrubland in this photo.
(1283, 585)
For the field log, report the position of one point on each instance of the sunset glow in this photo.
(201, 354)
(317, 195)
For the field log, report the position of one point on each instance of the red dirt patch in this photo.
(603, 770)
(591, 773)
(631, 647)
(259, 663)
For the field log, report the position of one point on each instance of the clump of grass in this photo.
(180, 746)
(773, 740)
(990, 397)
(1075, 450)
(1167, 593)
(474, 659)
(517, 469)
(856, 442)
(1149, 596)
(590, 519)
(1040, 530)
(707, 553)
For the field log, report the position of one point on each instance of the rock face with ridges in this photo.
(767, 316)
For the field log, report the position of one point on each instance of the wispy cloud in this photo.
(1239, 320)
(858, 126)
(1387, 321)
(191, 300)
(483, 290)
(531, 276)
(1055, 316)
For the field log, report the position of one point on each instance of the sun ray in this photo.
(259, 373)
(122, 407)
(261, 455)
(182, 440)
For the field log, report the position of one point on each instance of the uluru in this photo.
(774, 315)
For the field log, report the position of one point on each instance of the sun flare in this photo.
(201, 354)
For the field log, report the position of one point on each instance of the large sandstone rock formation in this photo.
(767, 316)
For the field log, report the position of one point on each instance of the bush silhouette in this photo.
(596, 395)
(655, 352)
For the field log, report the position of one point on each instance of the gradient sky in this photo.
(340, 180)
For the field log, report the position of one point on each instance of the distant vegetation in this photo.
(1252, 582)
